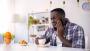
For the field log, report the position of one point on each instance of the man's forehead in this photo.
(54, 12)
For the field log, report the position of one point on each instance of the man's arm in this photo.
(78, 39)
(47, 35)
(44, 36)
(65, 42)
(60, 31)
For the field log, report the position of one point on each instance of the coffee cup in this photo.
(41, 41)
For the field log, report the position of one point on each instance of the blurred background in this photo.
(15, 16)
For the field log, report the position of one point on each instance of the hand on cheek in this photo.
(60, 28)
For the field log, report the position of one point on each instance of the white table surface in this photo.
(17, 47)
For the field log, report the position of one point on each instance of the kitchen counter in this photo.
(18, 47)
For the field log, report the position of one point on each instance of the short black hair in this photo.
(59, 11)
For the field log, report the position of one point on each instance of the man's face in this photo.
(54, 17)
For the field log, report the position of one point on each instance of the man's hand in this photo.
(60, 31)
(36, 40)
(60, 28)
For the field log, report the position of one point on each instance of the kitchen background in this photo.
(14, 16)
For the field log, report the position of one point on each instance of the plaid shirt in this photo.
(72, 32)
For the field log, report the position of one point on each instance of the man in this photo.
(70, 34)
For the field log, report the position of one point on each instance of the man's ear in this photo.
(63, 21)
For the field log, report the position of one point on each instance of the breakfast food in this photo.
(23, 42)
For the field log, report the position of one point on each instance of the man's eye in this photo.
(53, 18)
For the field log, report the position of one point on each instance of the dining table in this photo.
(34, 47)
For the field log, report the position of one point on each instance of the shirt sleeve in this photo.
(78, 40)
(47, 36)
(50, 37)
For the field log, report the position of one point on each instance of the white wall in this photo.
(6, 13)
(28, 6)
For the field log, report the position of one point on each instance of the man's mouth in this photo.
(55, 28)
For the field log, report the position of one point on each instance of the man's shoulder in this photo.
(74, 25)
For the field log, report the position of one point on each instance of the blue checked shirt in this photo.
(72, 32)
